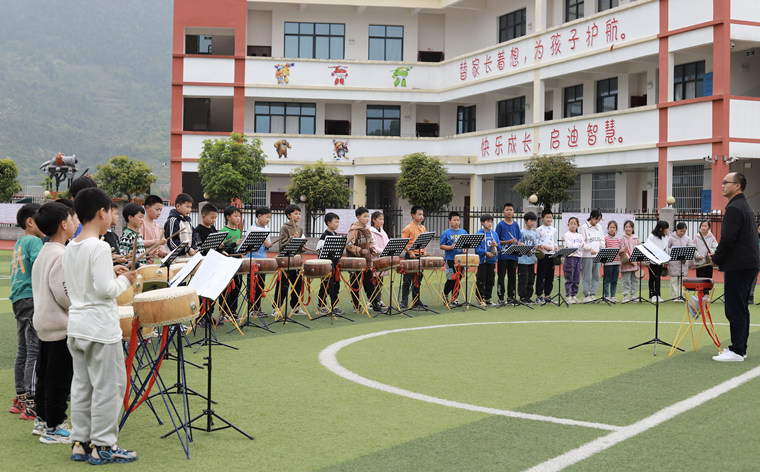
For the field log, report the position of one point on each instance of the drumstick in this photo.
(132, 264)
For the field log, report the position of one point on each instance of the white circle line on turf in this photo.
(328, 358)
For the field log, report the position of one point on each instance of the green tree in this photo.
(122, 175)
(323, 186)
(228, 167)
(424, 181)
(548, 177)
(9, 185)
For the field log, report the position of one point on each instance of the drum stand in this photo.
(419, 245)
(291, 249)
(466, 242)
(253, 278)
(394, 248)
(208, 333)
(180, 388)
(656, 340)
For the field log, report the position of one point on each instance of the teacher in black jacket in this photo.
(737, 256)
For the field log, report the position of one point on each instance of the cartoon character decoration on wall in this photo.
(399, 75)
(282, 72)
(282, 147)
(340, 73)
(340, 150)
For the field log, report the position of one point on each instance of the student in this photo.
(678, 269)
(447, 243)
(112, 238)
(152, 234)
(232, 217)
(263, 216)
(94, 334)
(659, 237)
(547, 242)
(291, 280)
(360, 243)
(330, 286)
(25, 252)
(628, 241)
(706, 243)
(611, 268)
(179, 222)
(593, 240)
(206, 226)
(509, 234)
(51, 316)
(413, 281)
(526, 264)
(488, 250)
(572, 265)
(381, 240)
(77, 185)
(134, 215)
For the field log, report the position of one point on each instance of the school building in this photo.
(652, 97)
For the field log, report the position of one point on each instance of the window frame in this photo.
(603, 5)
(384, 119)
(285, 105)
(519, 21)
(504, 113)
(466, 117)
(601, 96)
(574, 7)
(601, 202)
(314, 35)
(385, 39)
(566, 101)
(680, 82)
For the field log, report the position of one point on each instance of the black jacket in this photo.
(738, 246)
(172, 226)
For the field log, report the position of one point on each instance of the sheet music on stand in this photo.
(682, 253)
(606, 254)
(469, 241)
(518, 250)
(185, 272)
(564, 252)
(653, 253)
(394, 247)
(333, 248)
(422, 241)
(213, 241)
(215, 274)
(252, 242)
(638, 256)
(178, 251)
(292, 248)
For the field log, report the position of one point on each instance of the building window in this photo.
(606, 4)
(574, 203)
(465, 119)
(573, 9)
(386, 43)
(603, 191)
(511, 112)
(512, 25)
(688, 80)
(383, 120)
(288, 118)
(607, 95)
(314, 40)
(688, 183)
(656, 186)
(259, 195)
(504, 191)
(573, 97)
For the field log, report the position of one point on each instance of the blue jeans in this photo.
(611, 273)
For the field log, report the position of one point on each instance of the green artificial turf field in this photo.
(505, 389)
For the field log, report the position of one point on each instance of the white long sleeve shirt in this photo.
(593, 238)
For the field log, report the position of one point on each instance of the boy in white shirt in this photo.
(547, 242)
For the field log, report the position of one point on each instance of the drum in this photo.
(432, 263)
(295, 262)
(387, 262)
(174, 269)
(317, 268)
(153, 277)
(166, 306)
(353, 264)
(245, 267)
(126, 315)
(469, 260)
(697, 283)
(410, 266)
(267, 266)
(127, 295)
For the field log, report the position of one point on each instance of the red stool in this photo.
(696, 309)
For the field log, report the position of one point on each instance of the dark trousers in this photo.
(485, 276)
(231, 299)
(369, 286)
(28, 347)
(54, 374)
(413, 281)
(329, 287)
(448, 287)
(655, 272)
(508, 267)
(289, 278)
(526, 276)
(737, 284)
(544, 277)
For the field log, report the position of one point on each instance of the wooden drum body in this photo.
(411, 266)
(317, 268)
(267, 266)
(126, 315)
(387, 263)
(245, 267)
(296, 262)
(126, 297)
(432, 263)
(153, 277)
(166, 306)
(469, 260)
(353, 264)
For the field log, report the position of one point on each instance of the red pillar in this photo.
(722, 89)
(664, 73)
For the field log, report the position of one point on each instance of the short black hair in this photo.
(80, 184)
(530, 216)
(25, 212)
(680, 225)
(594, 214)
(93, 200)
(360, 211)
(660, 227)
(452, 214)
(68, 204)
(291, 208)
(485, 218)
(182, 198)
(49, 217)
(208, 208)
(131, 209)
(151, 200)
(741, 180)
(547, 211)
(231, 210)
(113, 205)
(330, 216)
(263, 210)
(507, 205)
(415, 209)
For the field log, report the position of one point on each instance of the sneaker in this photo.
(382, 305)
(337, 311)
(299, 312)
(625, 298)
(108, 454)
(275, 313)
(261, 314)
(489, 303)
(728, 356)
(571, 300)
(29, 412)
(659, 299)
(453, 303)
(18, 405)
(539, 300)
(355, 310)
(654, 299)
(377, 308)
(80, 452)
(614, 300)
(501, 302)
(588, 299)
(61, 434)
(323, 310)
(39, 427)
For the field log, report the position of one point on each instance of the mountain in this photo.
(85, 77)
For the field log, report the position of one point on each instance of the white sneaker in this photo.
(659, 299)
(299, 312)
(728, 356)
(625, 299)
(570, 300)
(587, 299)
(614, 300)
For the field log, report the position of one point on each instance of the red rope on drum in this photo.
(457, 278)
(307, 280)
(254, 282)
(349, 284)
(705, 315)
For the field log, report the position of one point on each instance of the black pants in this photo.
(289, 278)
(544, 277)
(655, 272)
(737, 284)
(329, 287)
(231, 299)
(485, 276)
(413, 281)
(448, 287)
(508, 267)
(525, 279)
(369, 287)
(54, 374)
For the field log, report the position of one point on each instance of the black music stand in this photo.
(213, 241)
(466, 242)
(331, 250)
(394, 248)
(518, 250)
(252, 243)
(638, 256)
(291, 249)
(418, 245)
(562, 253)
(681, 254)
(604, 256)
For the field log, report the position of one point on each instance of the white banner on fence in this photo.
(618, 218)
(347, 218)
(8, 212)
